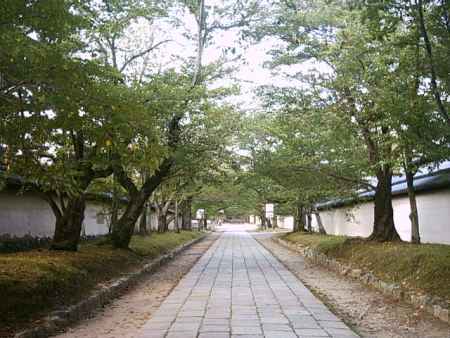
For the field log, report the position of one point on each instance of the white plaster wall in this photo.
(434, 218)
(95, 219)
(25, 214)
(285, 222)
(351, 221)
(28, 214)
(153, 218)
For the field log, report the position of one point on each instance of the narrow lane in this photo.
(239, 289)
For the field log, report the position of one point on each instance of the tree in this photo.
(358, 56)
(190, 99)
(54, 108)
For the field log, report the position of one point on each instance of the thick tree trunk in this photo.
(413, 216)
(68, 225)
(299, 219)
(384, 228)
(124, 227)
(322, 230)
(143, 222)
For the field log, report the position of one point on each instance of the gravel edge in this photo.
(430, 304)
(58, 320)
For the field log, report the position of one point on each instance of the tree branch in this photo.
(428, 48)
(144, 52)
(122, 176)
(53, 205)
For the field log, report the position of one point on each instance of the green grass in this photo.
(34, 282)
(423, 268)
(157, 243)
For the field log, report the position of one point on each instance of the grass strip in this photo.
(424, 268)
(35, 282)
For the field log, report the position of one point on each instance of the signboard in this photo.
(269, 208)
(200, 213)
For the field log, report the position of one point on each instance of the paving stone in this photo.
(214, 335)
(246, 330)
(153, 333)
(279, 334)
(311, 333)
(276, 327)
(182, 334)
(183, 326)
(215, 328)
(238, 287)
(347, 333)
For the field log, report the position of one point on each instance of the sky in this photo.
(250, 73)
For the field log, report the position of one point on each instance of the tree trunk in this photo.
(275, 222)
(309, 220)
(322, 230)
(205, 221)
(413, 216)
(143, 222)
(429, 49)
(162, 222)
(124, 227)
(186, 217)
(176, 223)
(115, 206)
(68, 225)
(299, 219)
(384, 228)
(262, 215)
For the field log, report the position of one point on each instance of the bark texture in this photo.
(68, 225)
(384, 227)
(186, 214)
(300, 219)
(162, 222)
(124, 228)
(414, 215)
(143, 222)
(322, 230)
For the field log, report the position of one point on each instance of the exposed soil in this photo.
(124, 317)
(368, 311)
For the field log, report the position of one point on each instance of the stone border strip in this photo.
(58, 320)
(433, 305)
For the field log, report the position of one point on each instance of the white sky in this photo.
(250, 73)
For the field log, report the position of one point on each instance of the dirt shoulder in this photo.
(125, 316)
(36, 282)
(368, 311)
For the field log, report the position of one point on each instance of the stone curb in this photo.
(57, 320)
(433, 305)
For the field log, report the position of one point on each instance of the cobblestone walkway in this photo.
(238, 289)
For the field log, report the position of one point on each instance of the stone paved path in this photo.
(238, 289)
